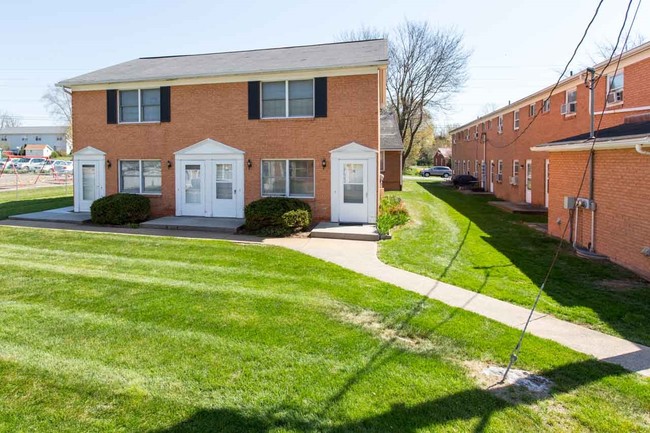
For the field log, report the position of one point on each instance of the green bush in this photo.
(55, 155)
(277, 216)
(392, 213)
(413, 170)
(120, 209)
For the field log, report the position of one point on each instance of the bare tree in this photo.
(362, 34)
(603, 50)
(8, 121)
(487, 108)
(59, 104)
(426, 67)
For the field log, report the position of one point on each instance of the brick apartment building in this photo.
(545, 164)
(203, 135)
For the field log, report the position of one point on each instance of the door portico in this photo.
(210, 180)
(89, 166)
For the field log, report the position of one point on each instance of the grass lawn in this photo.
(143, 334)
(34, 200)
(462, 240)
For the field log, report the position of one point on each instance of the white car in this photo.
(55, 165)
(35, 164)
(21, 163)
(62, 167)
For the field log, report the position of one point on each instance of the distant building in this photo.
(442, 156)
(43, 150)
(53, 136)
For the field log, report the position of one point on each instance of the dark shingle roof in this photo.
(624, 130)
(390, 138)
(308, 57)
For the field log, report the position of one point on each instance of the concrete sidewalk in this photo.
(362, 257)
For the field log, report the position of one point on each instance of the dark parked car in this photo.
(438, 170)
(464, 180)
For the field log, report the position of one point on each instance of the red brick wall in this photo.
(622, 226)
(220, 112)
(392, 170)
(549, 127)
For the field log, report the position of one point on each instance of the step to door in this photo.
(361, 232)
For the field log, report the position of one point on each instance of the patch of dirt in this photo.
(373, 323)
(622, 285)
(519, 387)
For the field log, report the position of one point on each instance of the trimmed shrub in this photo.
(120, 209)
(392, 213)
(277, 216)
(55, 155)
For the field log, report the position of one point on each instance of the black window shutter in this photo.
(253, 99)
(320, 96)
(111, 106)
(165, 104)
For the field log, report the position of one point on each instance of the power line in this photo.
(515, 353)
(557, 83)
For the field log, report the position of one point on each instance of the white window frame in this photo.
(566, 101)
(382, 161)
(500, 124)
(515, 120)
(476, 132)
(500, 171)
(489, 125)
(287, 178)
(515, 168)
(140, 161)
(467, 134)
(546, 105)
(532, 110)
(286, 100)
(119, 108)
(618, 89)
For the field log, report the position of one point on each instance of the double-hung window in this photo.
(515, 168)
(500, 125)
(142, 105)
(570, 107)
(615, 88)
(546, 106)
(531, 110)
(515, 122)
(288, 177)
(500, 171)
(140, 177)
(288, 99)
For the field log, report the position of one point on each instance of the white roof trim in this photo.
(582, 145)
(89, 151)
(353, 148)
(209, 147)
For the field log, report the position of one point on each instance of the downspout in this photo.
(639, 149)
(592, 157)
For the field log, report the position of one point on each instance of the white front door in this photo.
(491, 176)
(354, 191)
(89, 184)
(224, 195)
(546, 183)
(193, 188)
(529, 181)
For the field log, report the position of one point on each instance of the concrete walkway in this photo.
(361, 257)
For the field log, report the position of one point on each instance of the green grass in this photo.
(34, 200)
(462, 240)
(142, 334)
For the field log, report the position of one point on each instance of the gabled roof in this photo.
(36, 147)
(390, 138)
(308, 57)
(32, 130)
(445, 151)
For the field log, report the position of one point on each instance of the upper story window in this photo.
(546, 106)
(476, 132)
(489, 126)
(532, 110)
(615, 88)
(37, 138)
(288, 99)
(570, 106)
(142, 105)
(59, 138)
(500, 124)
(467, 135)
(515, 122)
(3, 138)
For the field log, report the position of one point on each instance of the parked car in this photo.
(47, 167)
(464, 180)
(21, 163)
(35, 164)
(438, 170)
(62, 167)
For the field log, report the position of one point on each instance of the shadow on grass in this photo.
(473, 404)
(18, 207)
(575, 282)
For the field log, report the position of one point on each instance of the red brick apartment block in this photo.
(226, 129)
(545, 164)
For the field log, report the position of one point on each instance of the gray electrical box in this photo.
(569, 202)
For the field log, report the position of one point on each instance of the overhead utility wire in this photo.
(566, 67)
(515, 353)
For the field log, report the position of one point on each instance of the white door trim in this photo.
(491, 175)
(529, 185)
(88, 155)
(547, 179)
(209, 152)
(354, 151)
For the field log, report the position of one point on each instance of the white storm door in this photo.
(529, 181)
(354, 192)
(491, 176)
(193, 188)
(546, 183)
(89, 186)
(224, 193)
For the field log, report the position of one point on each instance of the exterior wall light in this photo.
(169, 164)
(324, 163)
(108, 163)
(249, 164)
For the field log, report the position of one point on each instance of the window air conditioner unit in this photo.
(614, 97)
(514, 180)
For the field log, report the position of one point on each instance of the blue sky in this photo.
(518, 46)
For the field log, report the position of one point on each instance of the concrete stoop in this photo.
(219, 225)
(360, 232)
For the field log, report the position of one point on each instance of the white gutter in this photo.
(582, 145)
(642, 152)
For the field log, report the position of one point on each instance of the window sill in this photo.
(303, 118)
(570, 116)
(614, 104)
(312, 198)
(149, 194)
(153, 122)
